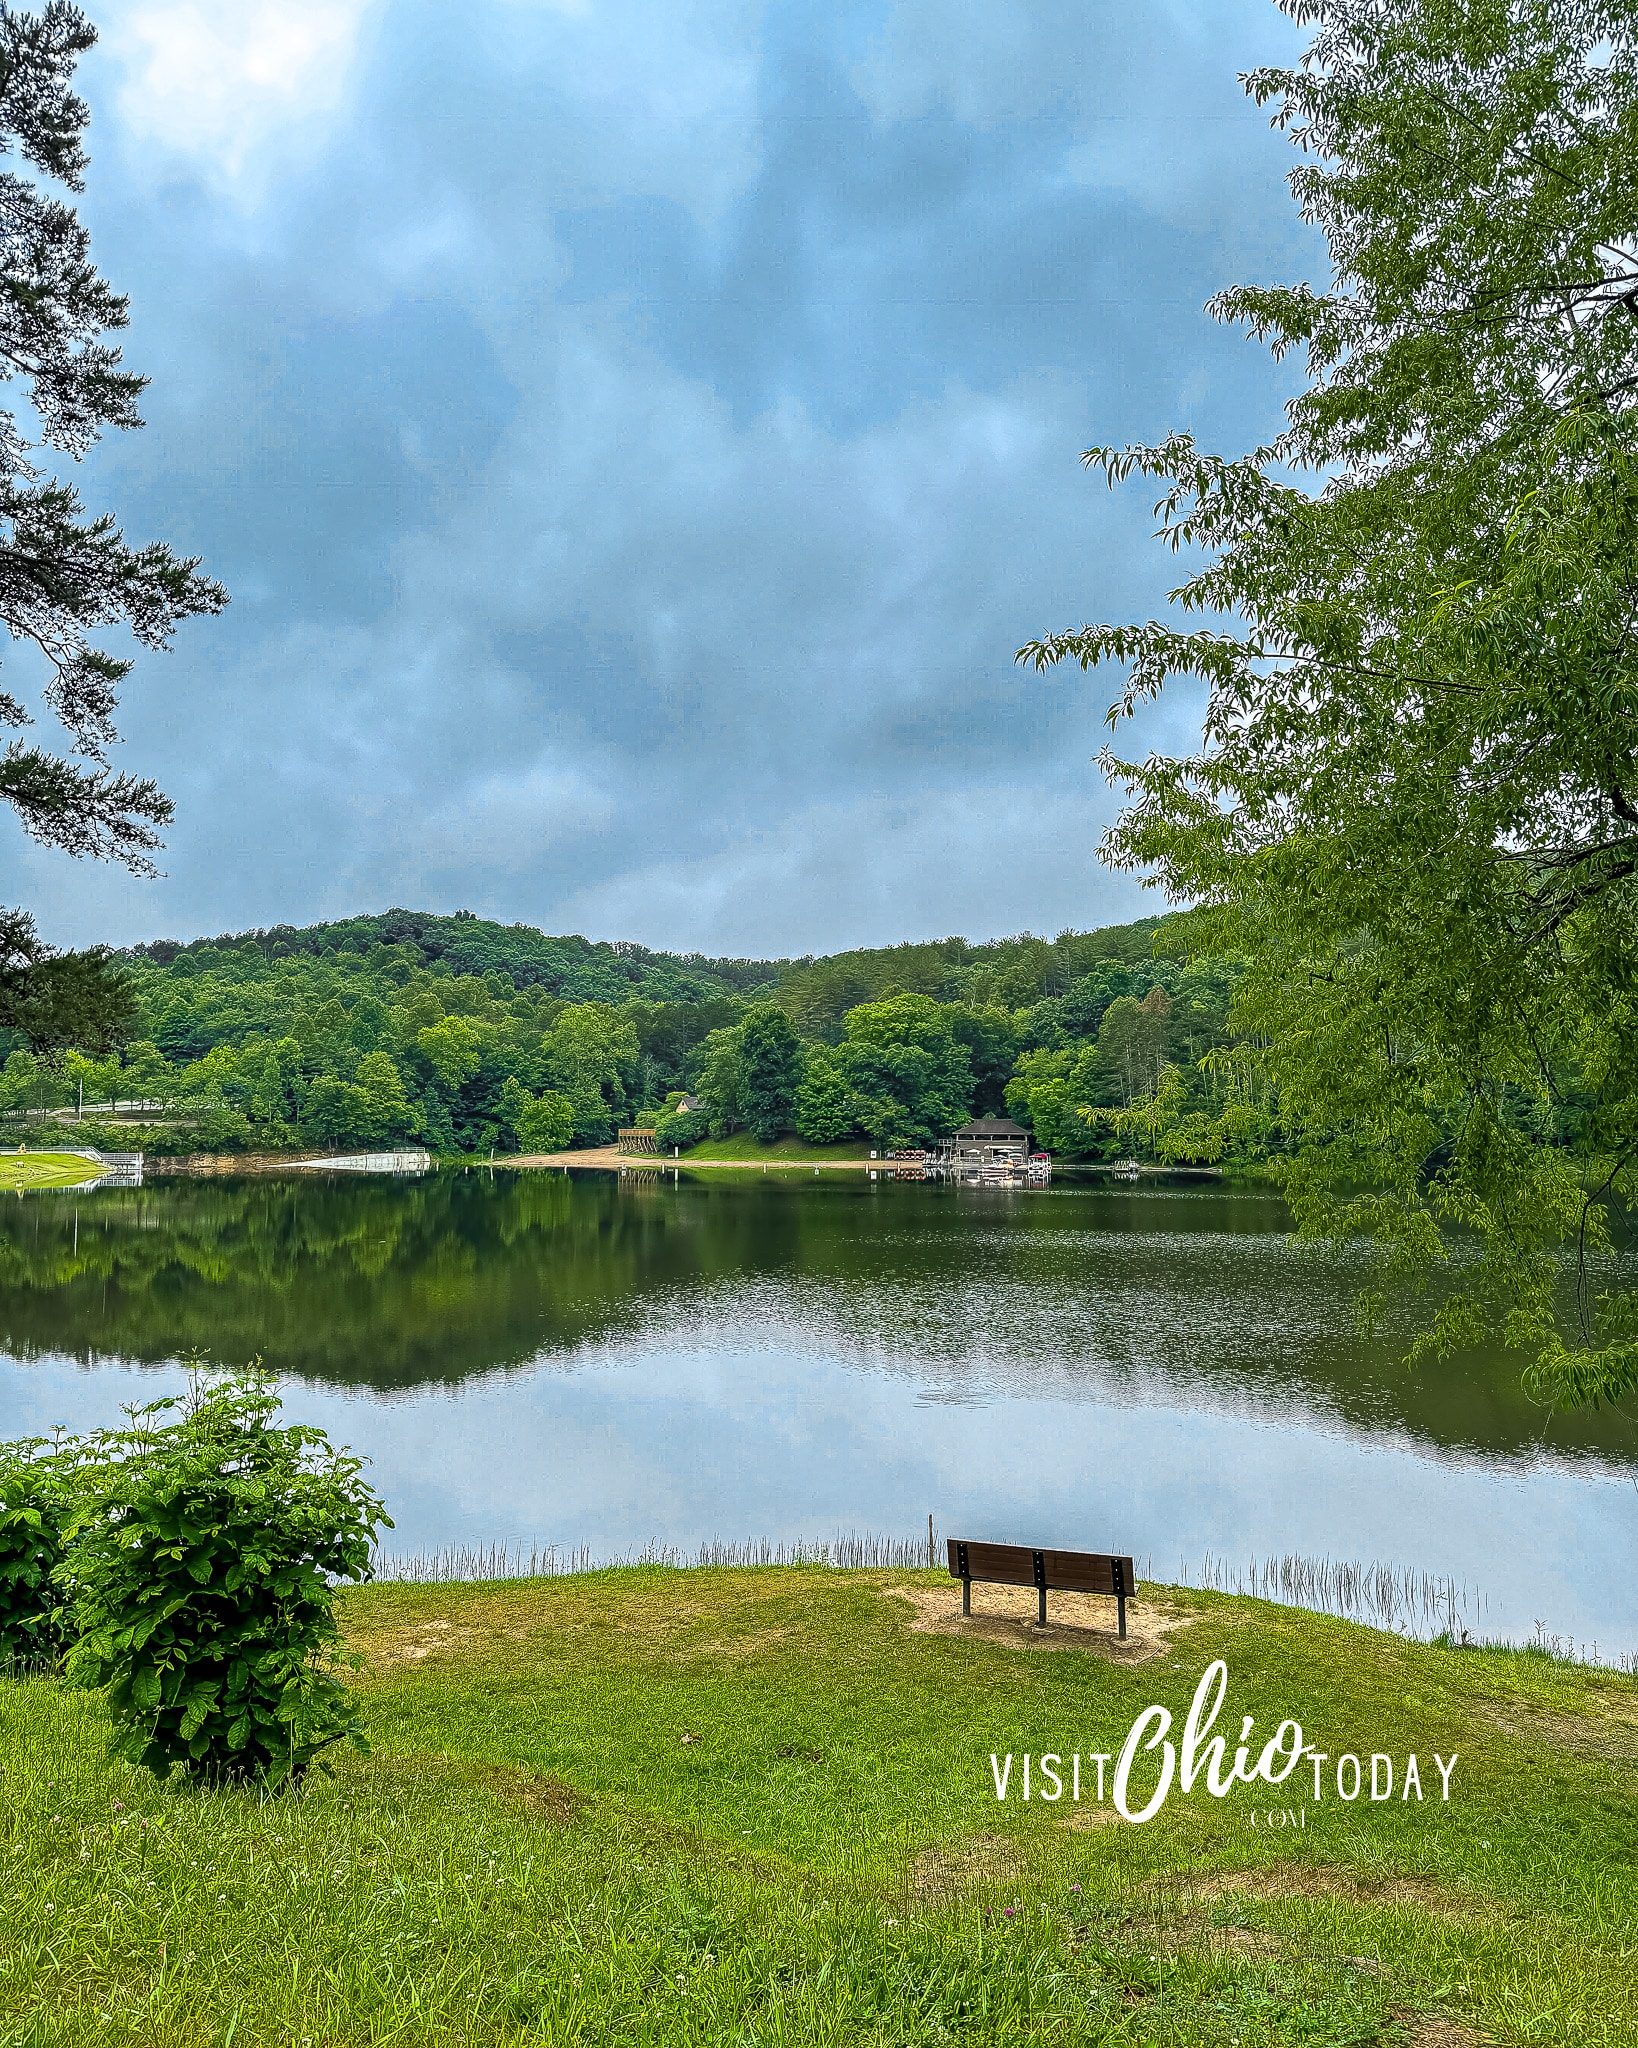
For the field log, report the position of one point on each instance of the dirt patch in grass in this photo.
(1605, 1728)
(1253, 1943)
(1319, 1881)
(1075, 1621)
(385, 1649)
(1090, 1817)
(1435, 2030)
(951, 1867)
(420, 1776)
(489, 1626)
(549, 1799)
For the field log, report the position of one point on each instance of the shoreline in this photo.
(605, 1159)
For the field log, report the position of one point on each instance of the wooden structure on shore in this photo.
(992, 1151)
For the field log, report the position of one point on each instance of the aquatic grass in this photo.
(1394, 1597)
(466, 1563)
(1556, 1649)
(1426, 1606)
(534, 1855)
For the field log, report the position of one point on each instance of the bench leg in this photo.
(966, 1596)
(1040, 1607)
(1120, 1605)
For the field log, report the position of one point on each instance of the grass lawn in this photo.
(789, 1151)
(756, 1807)
(44, 1170)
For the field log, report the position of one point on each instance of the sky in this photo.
(637, 436)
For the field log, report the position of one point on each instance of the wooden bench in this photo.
(1063, 1571)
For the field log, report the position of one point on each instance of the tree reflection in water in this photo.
(1189, 1297)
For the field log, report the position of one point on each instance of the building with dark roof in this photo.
(989, 1148)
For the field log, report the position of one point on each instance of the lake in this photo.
(585, 1360)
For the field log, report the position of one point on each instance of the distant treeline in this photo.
(470, 1036)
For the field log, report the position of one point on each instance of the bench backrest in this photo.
(1062, 1571)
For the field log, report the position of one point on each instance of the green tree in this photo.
(589, 1056)
(66, 575)
(545, 1123)
(94, 1081)
(990, 1034)
(277, 1100)
(678, 1130)
(334, 1110)
(909, 1073)
(770, 1062)
(1161, 1124)
(372, 1109)
(215, 1125)
(825, 1108)
(58, 999)
(1132, 1041)
(388, 1112)
(453, 1048)
(721, 1079)
(149, 1076)
(19, 1079)
(1051, 1093)
(1415, 807)
(513, 1099)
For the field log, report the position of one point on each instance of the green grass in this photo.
(783, 1151)
(534, 1854)
(44, 1170)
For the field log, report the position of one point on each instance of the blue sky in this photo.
(637, 435)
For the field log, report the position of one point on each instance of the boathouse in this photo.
(990, 1141)
(990, 1148)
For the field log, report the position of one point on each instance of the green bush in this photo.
(36, 1500)
(681, 1131)
(201, 1561)
(545, 1123)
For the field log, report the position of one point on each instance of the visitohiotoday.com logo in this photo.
(1051, 1775)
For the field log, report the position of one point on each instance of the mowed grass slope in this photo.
(755, 1807)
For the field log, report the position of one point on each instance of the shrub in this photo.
(681, 1131)
(36, 1501)
(214, 1125)
(201, 1563)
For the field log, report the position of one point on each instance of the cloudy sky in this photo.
(637, 435)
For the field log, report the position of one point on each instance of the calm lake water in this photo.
(546, 1358)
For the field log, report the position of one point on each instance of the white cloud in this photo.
(217, 79)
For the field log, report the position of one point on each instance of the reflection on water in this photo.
(1193, 1297)
(580, 1359)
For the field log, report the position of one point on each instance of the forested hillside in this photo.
(471, 1036)
(575, 968)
